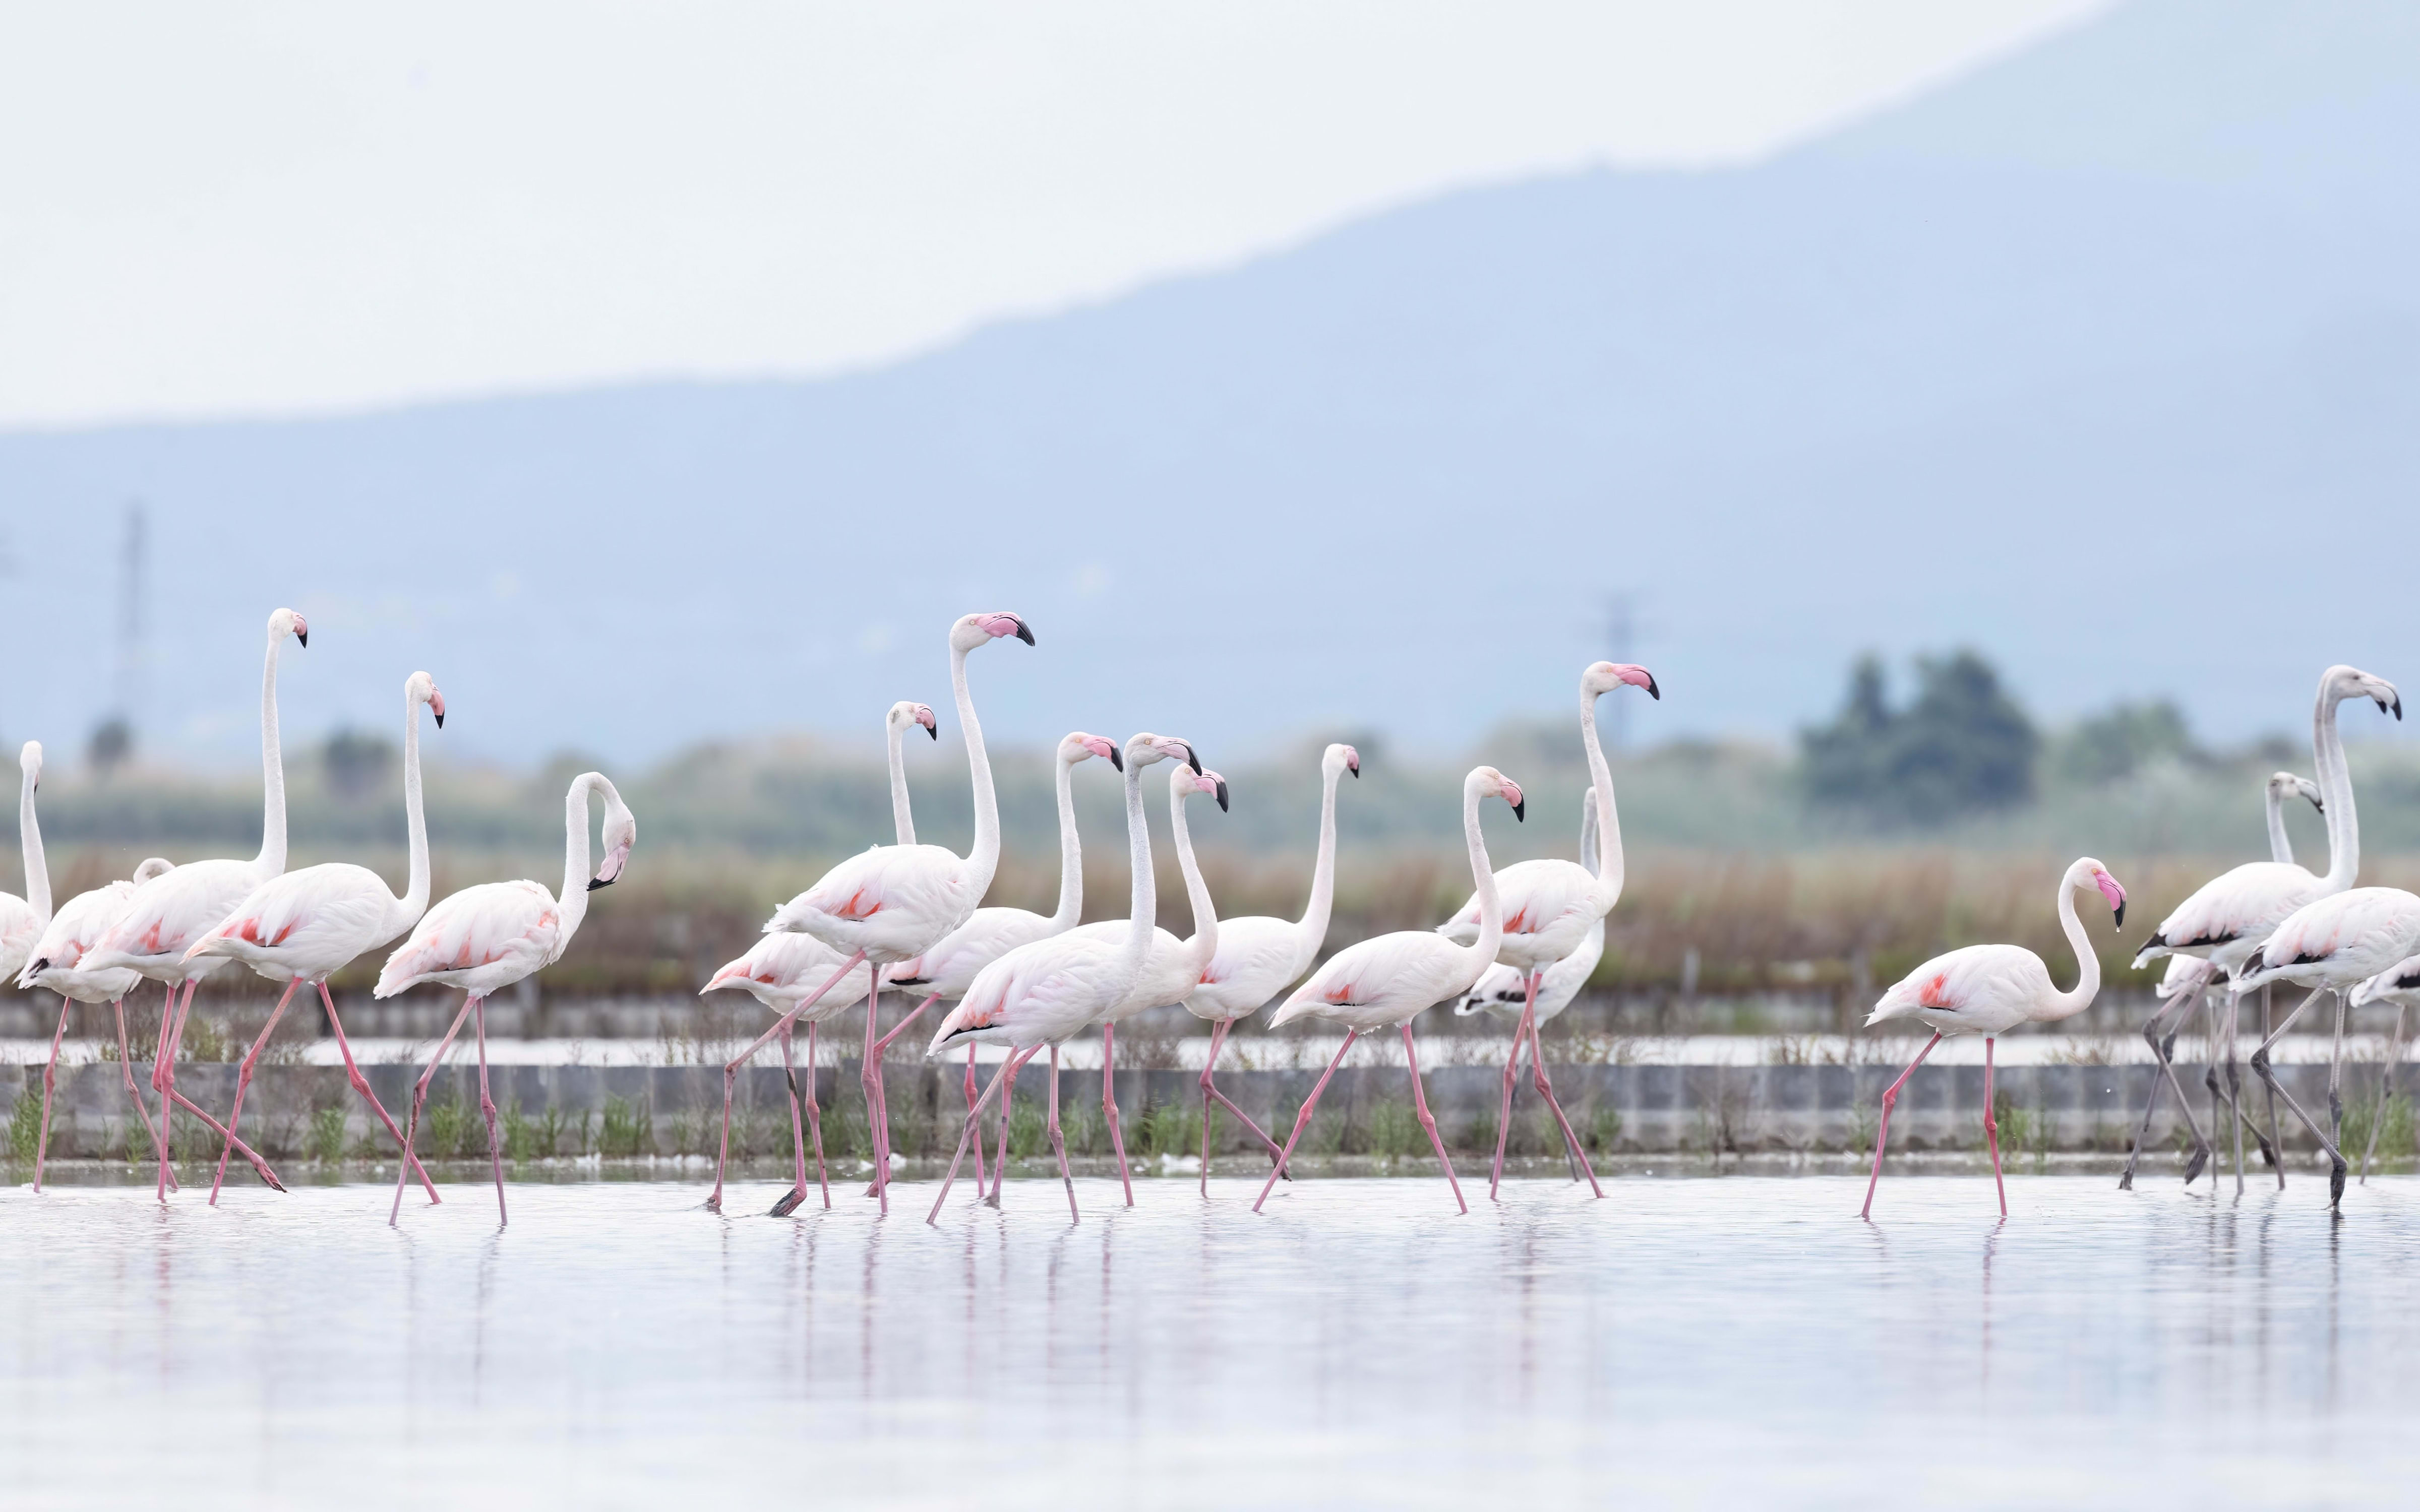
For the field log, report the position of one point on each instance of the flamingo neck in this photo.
(903, 824)
(1146, 898)
(571, 903)
(2336, 791)
(1481, 952)
(1071, 856)
(271, 861)
(29, 836)
(1205, 943)
(1608, 824)
(2088, 961)
(414, 901)
(2281, 845)
(1312, 930)
(985, 859)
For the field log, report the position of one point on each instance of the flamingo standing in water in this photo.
(893, 901)
(154, 937)
(1550, 905)
(303, 925)
(1989, 990)
(1388, 981)
(2398, 984)
(1258, 957)
(2331, 945)
(487, 937)
(2227, 918)
(1043, 993)
(22, 919)
(949, 969)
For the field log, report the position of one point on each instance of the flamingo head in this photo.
(904, 714)
(29, 761)
(976, 629)
(1342, 757)
(1491, 783)
(2340, 683)
(2284, 785)
(153, 866)
(1604, 676)
(2088, 870)
(1080, 746)
(422, 688)
(284, 621)
(1146, 747)
(621, 833)
(1183, 782)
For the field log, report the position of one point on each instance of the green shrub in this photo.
(328, 1135)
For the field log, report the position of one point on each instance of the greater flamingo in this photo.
(782, 971)
(2331, 945)
(949, 968)
(892, 902)
(1044, 992)
(303, 925)
(1259, 957)
(2185, 985)
(895, 726)
(154, 936)
(2228, 918)
(1389, 980)
(1550, 905)
(493, 935)
(2398, 984)
(22, 919)
(1989, 990)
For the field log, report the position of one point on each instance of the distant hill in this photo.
(2105, 359)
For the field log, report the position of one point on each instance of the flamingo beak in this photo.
(1222, 795)
(1117, 760)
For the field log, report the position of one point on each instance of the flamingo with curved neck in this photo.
(903, 716)
(1989, 990)
(22, 919)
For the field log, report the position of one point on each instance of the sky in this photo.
(271, 210)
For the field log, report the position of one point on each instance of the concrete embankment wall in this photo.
(295, 1111)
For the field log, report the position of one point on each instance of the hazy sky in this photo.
(258, 209)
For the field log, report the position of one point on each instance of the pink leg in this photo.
(971, 1107)
(362, 1085)
(869, 1073)
(901, 1028)
(1058, 1144)
(816, 1121)
(1882, 1132)
(50, 1075)
(882, 1091)
(1007, 1102)
(488, 1110)
(251, 1157)
(1110, 1104)
(967, 1133)
(798, 1193)
(163, 1073)
(243, 1080)
(1302, 1120)
(419, 1099)
(1210, 1093)
(1547, 1090)
(1991, 1129)
(163, 1052)
(1512, 1073)
(731, 1072)
(1420, 1107)
(126, 1065)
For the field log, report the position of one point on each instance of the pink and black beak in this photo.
(610, 871)
(437, 707)
(1352, 762)
(1191, 760)
(302, 632)
(1117, 758)
(1220, 787)
(999, 625)
(924, 718)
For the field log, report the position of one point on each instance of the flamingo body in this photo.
(60, 960)
(2340, 940)
(1385, 982)
(780, 970)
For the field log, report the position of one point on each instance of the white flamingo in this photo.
(2186, 984)
(1388, 981)
(945, 972)
(486, 938)
(1259, 957)
(1043, 993)
(2226, 919)
(2331, 945)
(300, 926)
(1550, 905)
(2398, 984)
(892, 902)
(1989, 990)
(154, 936)
(22, 919)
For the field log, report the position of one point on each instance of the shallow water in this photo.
(1694, 1340)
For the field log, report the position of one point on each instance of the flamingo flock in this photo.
(909, 917)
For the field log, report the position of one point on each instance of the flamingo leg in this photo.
(1882, 1132)
(488, 1111)
(1007, 1101)
(798, 1192)
(159, 1058)
(2261, 1068)
(1110, 1104)
(50, 1075)
(2269, 1147)
(1420, 1107)
(731, 1072)
(243, 1080)
(2223, 1024)
(1210, 1093)
(901, 1028)
(1547, 1090)
(869, 1076)
(1512, 1074)
(814, 1121)
(2335, 1076)
(981, 1184)
(164, 1074)
(2386, 1085)
(1991, 1128)
(1302, 1120)
(419, 1101)
(967, 1133)
(881, 1090)
(251, 1157)
(362, 1085)
(2161, 1035)
(1059, 1144)
(126, 1065)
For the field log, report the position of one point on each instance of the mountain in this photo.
(2105, 359)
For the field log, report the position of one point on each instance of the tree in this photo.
(2115, 744)
(1961, 746)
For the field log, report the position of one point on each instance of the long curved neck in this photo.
(2087, 962)
(2336, 791)
(271, 859)
(1205, 943)
(1144, 909)
(571, 903)
(1071, 856)
(1491, 913)
(1608, 824)
(29, 835)
(2281, 845)
(903, 824)
(1589, 860)
(414, 902)
(985, 859)
(1314, 927)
